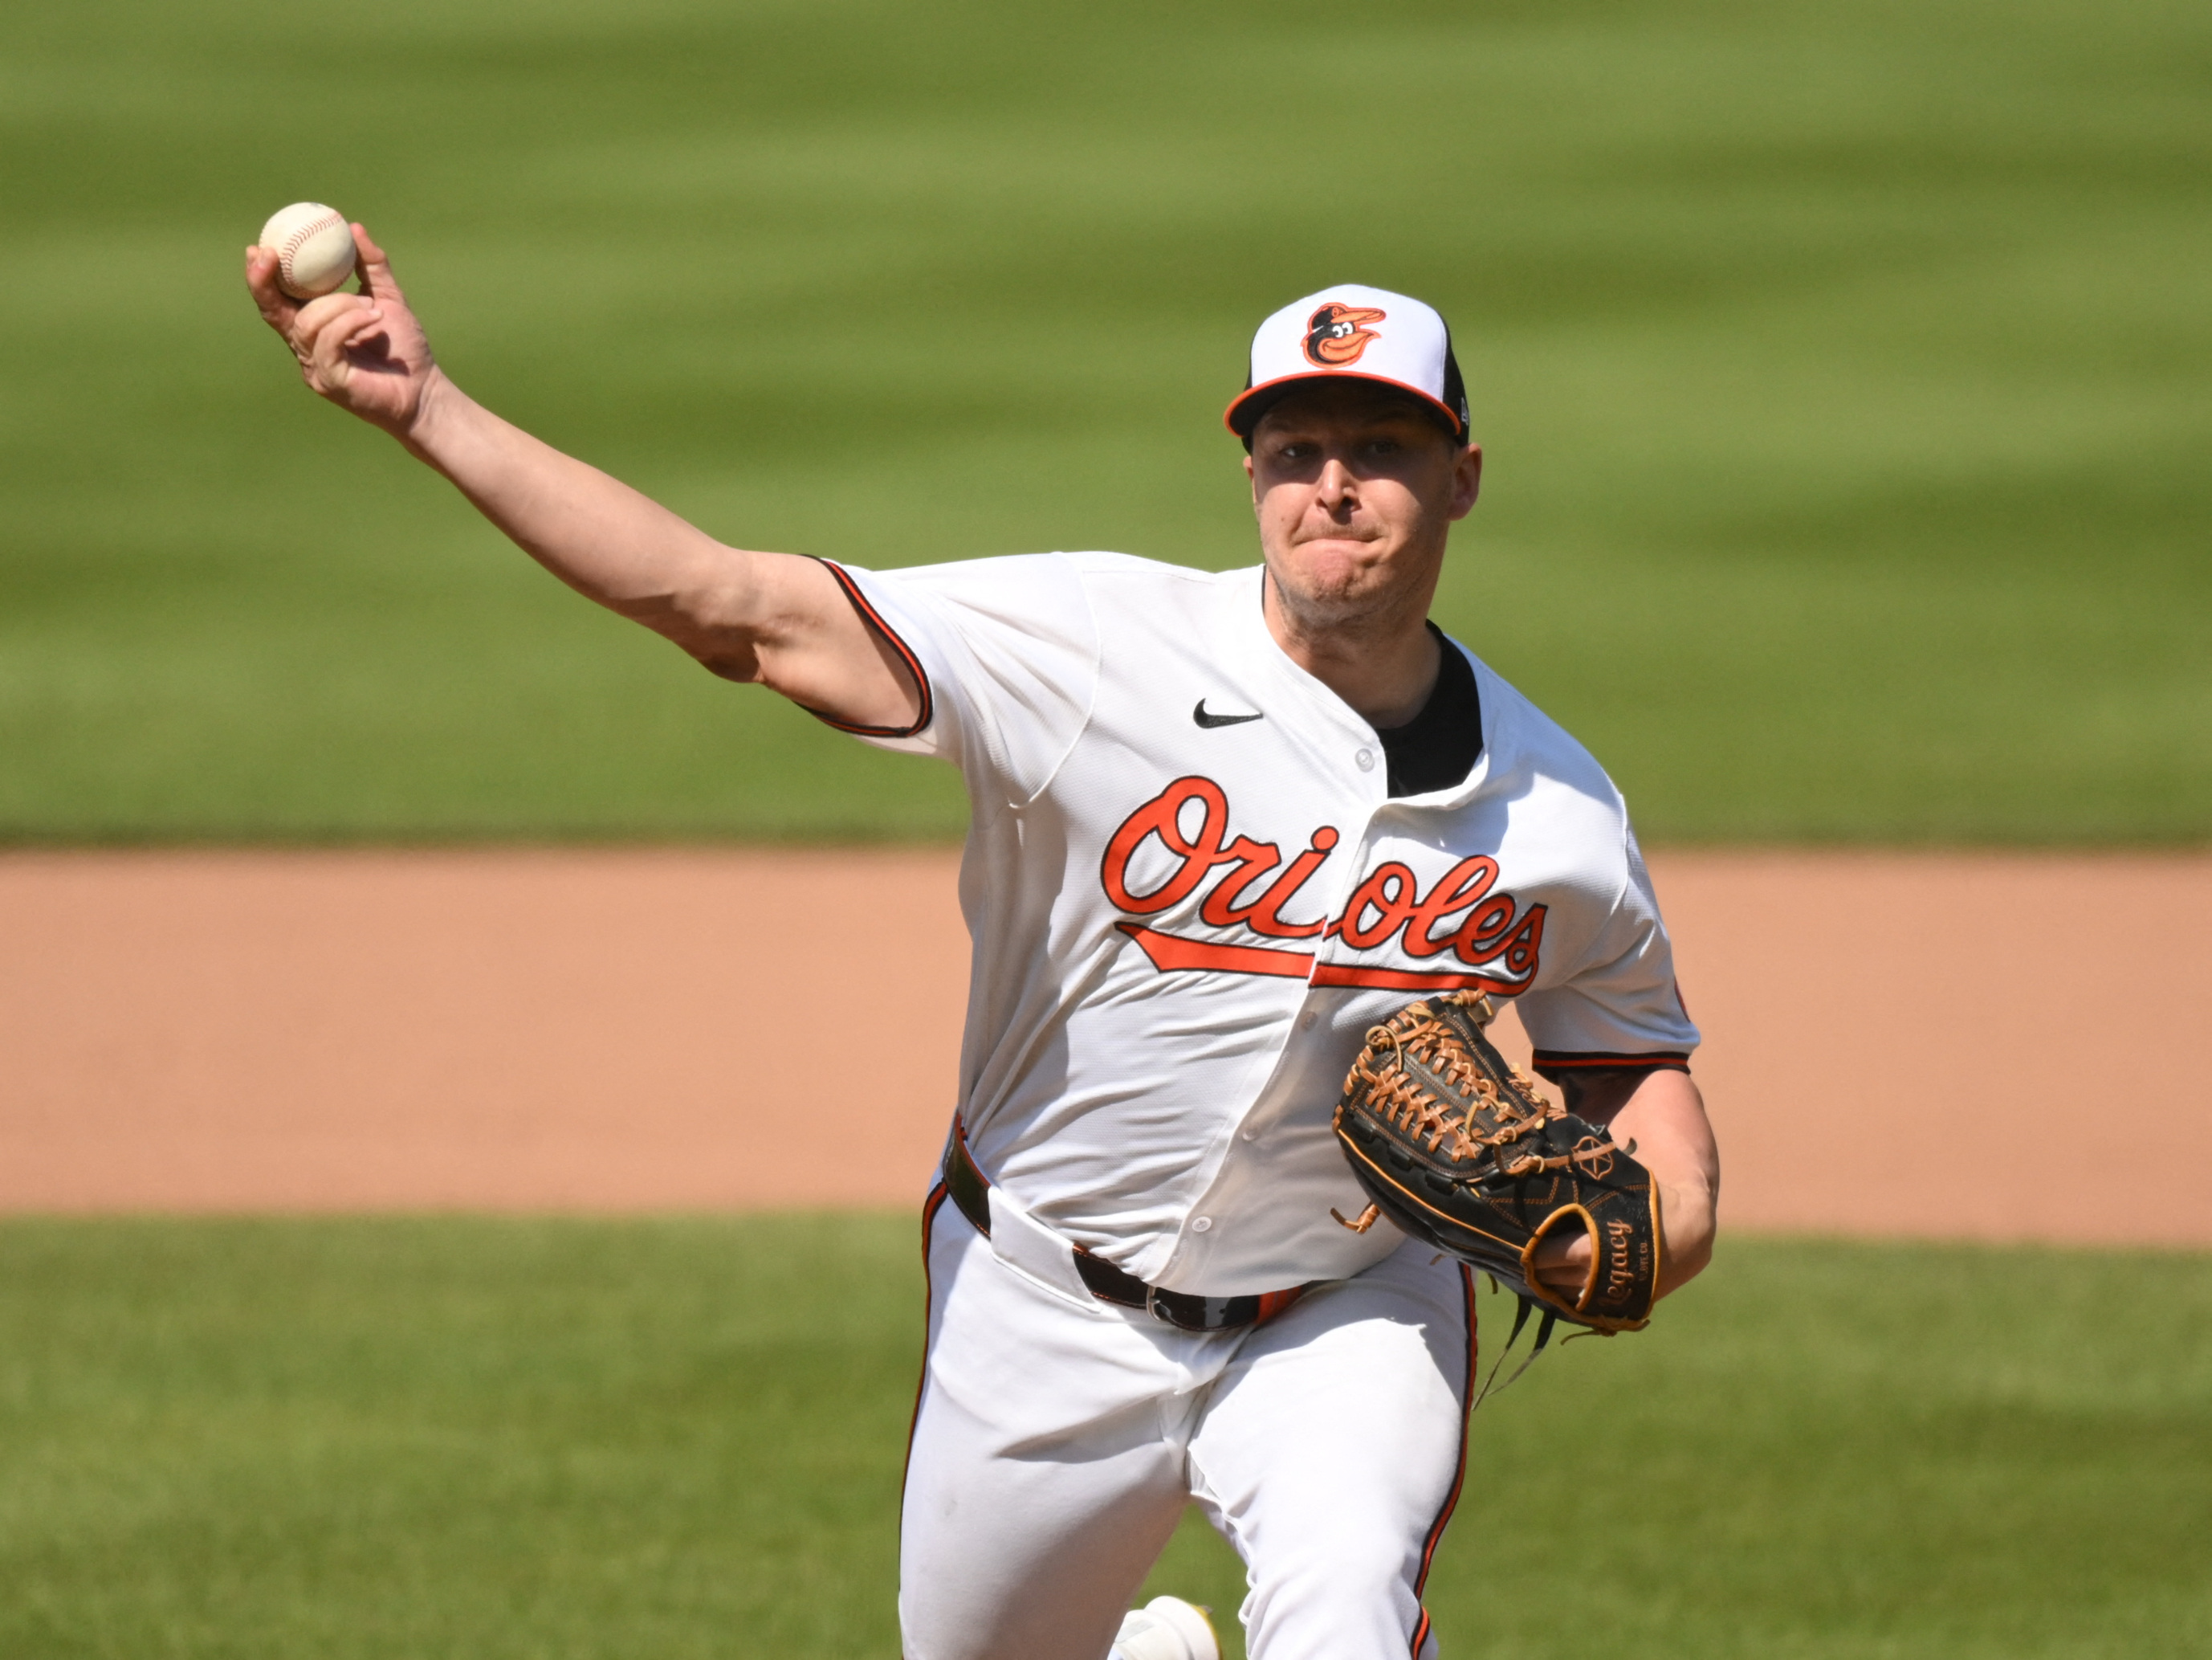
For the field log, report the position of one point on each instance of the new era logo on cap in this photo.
(1361, 333)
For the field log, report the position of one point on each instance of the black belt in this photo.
(969, 1190)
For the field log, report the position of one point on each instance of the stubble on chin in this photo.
(1331, 595)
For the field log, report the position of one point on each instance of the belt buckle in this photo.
(1153, 1307)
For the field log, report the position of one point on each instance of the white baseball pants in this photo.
(1057, 1439)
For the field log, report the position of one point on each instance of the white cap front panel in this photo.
(1356, 332)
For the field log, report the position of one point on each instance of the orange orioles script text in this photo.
(1488, 941)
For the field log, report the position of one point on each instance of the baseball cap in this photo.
(1351, 333)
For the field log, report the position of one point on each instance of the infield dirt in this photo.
(1924, 1044)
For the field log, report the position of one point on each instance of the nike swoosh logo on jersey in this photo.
(1203, 719)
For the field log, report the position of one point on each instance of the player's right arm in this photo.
(771, 618)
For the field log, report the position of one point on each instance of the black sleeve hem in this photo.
(1557, 1065)
(874, 620)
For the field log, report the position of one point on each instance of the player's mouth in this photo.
(1355, 539)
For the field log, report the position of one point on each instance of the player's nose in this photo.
(1336, 485)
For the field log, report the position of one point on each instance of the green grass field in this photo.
(1842, 369)
(487, 1439)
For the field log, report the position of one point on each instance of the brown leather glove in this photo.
(1458, 1148)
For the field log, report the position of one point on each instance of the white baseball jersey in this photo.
(1190, 896)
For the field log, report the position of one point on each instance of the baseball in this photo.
(314, 248)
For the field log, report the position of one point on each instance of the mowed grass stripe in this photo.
(1841, 372)
(580, 1438)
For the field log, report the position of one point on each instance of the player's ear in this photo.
(1466, 481)
(1252, 478)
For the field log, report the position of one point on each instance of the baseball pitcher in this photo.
(1227, 831)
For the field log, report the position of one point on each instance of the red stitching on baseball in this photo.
(292, 242)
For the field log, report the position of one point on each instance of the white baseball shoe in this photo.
(1166, 1628)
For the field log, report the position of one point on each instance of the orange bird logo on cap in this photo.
(1336, 335)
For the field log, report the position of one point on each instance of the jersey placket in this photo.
(1361, 773)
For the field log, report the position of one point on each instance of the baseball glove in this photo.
(1457, 1148)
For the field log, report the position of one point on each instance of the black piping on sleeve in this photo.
(869, 615)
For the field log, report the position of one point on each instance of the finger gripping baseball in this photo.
(1458, 1148)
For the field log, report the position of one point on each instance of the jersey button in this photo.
(1200, 1224)
(1306, 1020)
(1366, 760)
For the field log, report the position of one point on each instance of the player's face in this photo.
(1356, 491)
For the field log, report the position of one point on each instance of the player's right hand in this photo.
(365, 352)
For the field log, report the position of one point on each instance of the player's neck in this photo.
(1384, 665)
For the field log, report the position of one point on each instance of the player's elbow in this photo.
(723, 647)
(746, 671)
(710, 624)
(694, 627)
